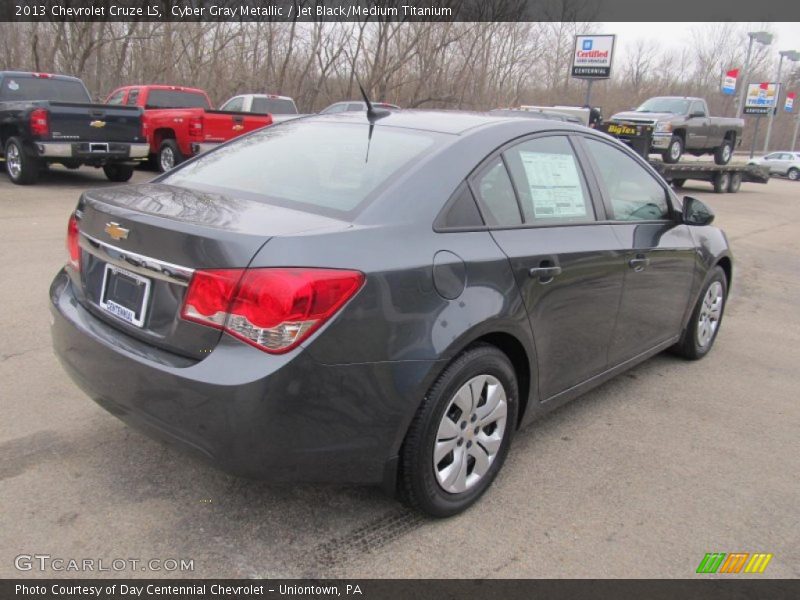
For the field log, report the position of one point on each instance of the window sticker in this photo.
(13, 85)
(555, 185)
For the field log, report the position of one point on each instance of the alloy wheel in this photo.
(167, 159)
(710, 314)
(470, 434)
(675, 150)
(13, 161)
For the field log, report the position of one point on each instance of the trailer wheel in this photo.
(721, 182)
(678, 183)
(735, 183)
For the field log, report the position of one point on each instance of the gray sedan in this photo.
(382, 297)
(781, 163)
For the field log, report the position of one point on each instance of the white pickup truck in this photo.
(282, 108)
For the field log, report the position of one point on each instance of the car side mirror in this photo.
(696, 114)
(695, 212)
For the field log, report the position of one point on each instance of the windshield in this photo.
(28, 87)
(328, 168)
(176, 99)
(273, 106)
(676, 106)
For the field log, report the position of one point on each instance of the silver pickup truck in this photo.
(682, 124)
(281, 108)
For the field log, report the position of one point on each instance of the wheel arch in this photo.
(727, 266)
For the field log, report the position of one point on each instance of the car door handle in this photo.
(545, 274)
(640, 263)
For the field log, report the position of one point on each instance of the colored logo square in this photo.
(587, 44)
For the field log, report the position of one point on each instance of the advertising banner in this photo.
(729, 83)
(593, 56)
(789, 105)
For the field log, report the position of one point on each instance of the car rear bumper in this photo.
(93, 150)
(284, 418)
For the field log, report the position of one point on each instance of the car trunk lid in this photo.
(140, 246)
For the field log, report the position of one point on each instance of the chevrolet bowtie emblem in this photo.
(116, 232)
(97, 124)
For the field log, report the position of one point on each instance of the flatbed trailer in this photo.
(723, 178)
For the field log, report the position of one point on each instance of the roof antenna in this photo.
(373, 115)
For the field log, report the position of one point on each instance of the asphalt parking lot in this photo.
(640, 478)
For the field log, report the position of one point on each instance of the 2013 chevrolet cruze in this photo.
(381, 298)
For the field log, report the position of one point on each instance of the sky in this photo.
(787, 35)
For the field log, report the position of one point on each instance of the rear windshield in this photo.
(273, 106)
(175, 99)
(328, 168)
(26, 87)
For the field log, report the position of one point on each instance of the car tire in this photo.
(22, 169)
(734, 183)
(472, 447)
(169, 156)
(721, 181)
(793, 174)
(678, 183)
(120, 173)
(674, 150)
(701, 332)
(723, 154)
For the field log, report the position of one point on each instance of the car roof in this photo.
(33, 73)
(452, 122)
(161, 86)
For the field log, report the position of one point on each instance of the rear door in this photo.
(660, 252)
(568, 266)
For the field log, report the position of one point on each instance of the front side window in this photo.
(549, 181)
(496, 195)
(323, 167)
(133, 96)
(334, 108)
(697, 108)
(633, 193)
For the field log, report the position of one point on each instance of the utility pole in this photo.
(762, 37)
(794, 56)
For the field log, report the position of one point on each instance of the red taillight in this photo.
(196, 127)
(40, 122)
(272, 309)
(73, 247)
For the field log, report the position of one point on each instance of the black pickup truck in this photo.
(51, 119)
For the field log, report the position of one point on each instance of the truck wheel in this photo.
(722, 155)
(735, 183)
(119, 173)
(678, 183)
(674, 151)
(793, 174)
(21, 168)
(721, 182)
(169, 156)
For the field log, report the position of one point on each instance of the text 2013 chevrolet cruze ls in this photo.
(381, 298)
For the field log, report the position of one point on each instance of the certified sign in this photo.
(761, 98)
(593, 56)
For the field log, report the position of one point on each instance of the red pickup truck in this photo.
(179, 123)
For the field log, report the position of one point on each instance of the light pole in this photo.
(794, 56)
(762, 37)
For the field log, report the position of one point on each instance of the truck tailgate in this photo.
(94, 122)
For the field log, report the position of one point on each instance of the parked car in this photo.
(280, 108)
(355, 106)
(683, 124)
(47, 119)
(382, 301)
(780, 163)
(179, 122)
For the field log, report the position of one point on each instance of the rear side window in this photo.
(175, 99)
(549, 181)
(133, 96)
(460, 211)
(235, 104)
(26, 87)
(330, 168)
(633, 193)
(273, 106)
(496, 195)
